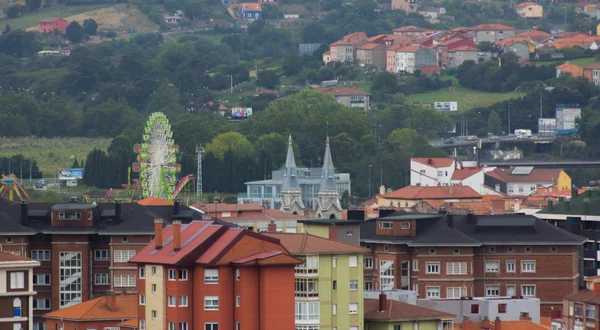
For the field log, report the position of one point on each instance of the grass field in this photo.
(51, 153)
(31, 19)
(466, 98)
(579, 61)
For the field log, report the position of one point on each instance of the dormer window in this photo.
(386, 225)
(69, 215)
(405, 225)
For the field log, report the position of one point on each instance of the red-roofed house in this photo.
(409, 6)
(530, 10)
(51, 24)
(16, 291)
(492, 32)
(457, 54)
(592, 73)
(371, 54)
(569, 68)
(410, 195)
(429, 69)
(250, 11)
(432, 171)
(100, 313)
(344, 50)
(391, 55)
(417, 32)
(205, 275)
(412, 57)
(388, 314)
(350, 97)
(525, 180)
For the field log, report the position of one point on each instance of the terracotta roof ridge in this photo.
(304, 239)
(390, 309)
(96, 304)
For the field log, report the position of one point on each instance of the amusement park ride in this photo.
(158, 168)
(10, 185)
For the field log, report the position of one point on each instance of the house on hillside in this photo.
(371, 54)
(409, 6)
(521, 47)
(525, 180)
(344, 50)
(569, 68)
(530, 10)
(250, 11)
(350, 97)
(51, 24)
(492, 32)
(459, 54)
(411, 58)
(592, 73)
(417, 32)
(411, 195)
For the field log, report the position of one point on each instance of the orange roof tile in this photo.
(252, 6)
(525, 4)
(303, 243)
(523, 325)
(343, 91)
(397, 310)
(436, 162)
(154, 201)
(463, 173)
(369, 46)
(491, 27)
(463, 48)
(592, 66)
(133, 323)
(536, 175)
(97, 309)
(534, 33)
(412, 28)
(8, 257)
(434, 192)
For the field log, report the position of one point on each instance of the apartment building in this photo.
(211, 276)
(581, 309)
(16, 292)
(409, 196)
(83, 249)
(454, 256)
(329, 291)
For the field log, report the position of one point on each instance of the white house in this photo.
(431, 171)
(406, 59)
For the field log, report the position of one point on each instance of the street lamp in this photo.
(370, 180)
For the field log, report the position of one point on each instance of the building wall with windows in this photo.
(16, 292)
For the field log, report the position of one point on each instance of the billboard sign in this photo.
(71, 183)
(566, 116)
(239, 112)
(70, 173)
(446, 106)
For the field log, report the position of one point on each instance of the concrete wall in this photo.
(430, 176)
(487, 308)
(425, 57)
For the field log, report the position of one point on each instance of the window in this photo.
(154, 315)
(70, 278)
(353, 309)
(456, 268)
(432, 267)
(124, 239)
(528, 290)
(492, 290)
(511, 290)
(40, 326)
(510, 266)
(456, 292)
(334, 309)
(510, 250)
(142, 324)
(528, 266)
(69, 216)
(334, 285)
(440, 173)
(432, 251)
(492, 266)
(101, 255)
(153, 288)
(386, 247)
(353, 285)
(211, 326)
(142, 299)
(405, 225)
(386, 275)
(172, 326)
(590, 312)
(353, 261)
(124, 255)
(334, 260)
(307, 311)
(124, 281)
(142, 272)
(310, 265)
(237, 301)
(475, 309)
(17, 280)
(16, 307)
(211, 276)
(307, 287)
(184, 326)
(154, 270)
(386, 225)
(102, 279)
(501, 308)
(528, 249)
(368, 285)
(456, 251)
(415, 288)
(237, 274)
(368, 261)
(40, 255)
(172, 274)
(172, 301)
(492, 249)
(183, 274)
(183, 301)
(211, 303)
(432, 292)
(553, 249)
(41, 279)
(416, 265)
(349, 233)
(41, 303)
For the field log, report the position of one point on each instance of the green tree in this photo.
(7, 29)
(230, 141)
(90, 27)
(268, 79)
(74, 32)
(272, 146)
(33, 4)
(494, 123)
(485, 46)
(384, 83)
(292, 64)
(314, 33)
(75, 163)
(14, 11)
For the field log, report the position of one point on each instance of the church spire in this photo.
(328, 174)
(290, 180)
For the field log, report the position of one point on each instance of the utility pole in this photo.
(381, 174)
(541, 108)
(508, 119)
(370, 180)
(200, 151)
(231, 85)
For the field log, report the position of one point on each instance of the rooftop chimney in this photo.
(467, 323)
(498, 323)
(73, 199)
(442, 210)
(272, 227)
(524, 316)
(176, 206)
(24, 213)
(485, 323)
(450, 219)
(118, 215)
(429, 161)
(111, 301)
(382, 302)
(470, 217)
(158, 239)
(176, 235)
(596, 289)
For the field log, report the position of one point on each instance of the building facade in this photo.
(492, 32)
(530, 10)
(52, 24)
(17, 292)
(525, 180)
(452, 256)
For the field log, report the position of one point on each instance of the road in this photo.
(462, 141)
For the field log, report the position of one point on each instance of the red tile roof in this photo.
(8, 257)
(369, 46)
(252, 6)
(223, 207)
(434, 192)
(154, 201)
(51, 20)
(534, 33)
(592, 66)
(463, 48)
(133, 323)
(303, 243)
(343, 91)
(491, 27)
(412, 28)
(436, 162)
(507, 325)
(525, 4)
(409, 49)
(397, 310)
(584, 295)
(96, 309)
(463, 173)
(536, 175)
